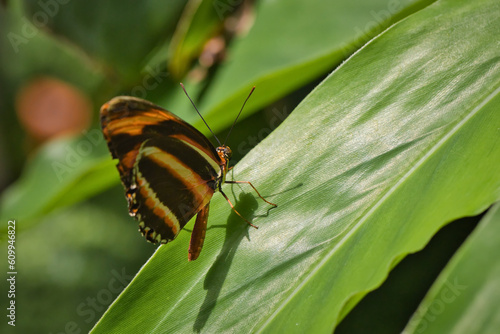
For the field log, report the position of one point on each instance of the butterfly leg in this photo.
(232, 206)
(251, 185)
(198, 234)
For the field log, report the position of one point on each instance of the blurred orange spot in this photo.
(49, 108)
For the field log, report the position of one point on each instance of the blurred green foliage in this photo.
(77, 248)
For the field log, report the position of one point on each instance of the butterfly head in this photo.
(224, 153)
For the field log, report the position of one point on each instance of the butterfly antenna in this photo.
(231, 129)
(184, 89)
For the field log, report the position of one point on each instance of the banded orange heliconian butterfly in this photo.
(168, 168)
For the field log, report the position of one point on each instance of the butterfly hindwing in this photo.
(168, 168)
(169, 190)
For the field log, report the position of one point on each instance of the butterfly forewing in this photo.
(168, 168)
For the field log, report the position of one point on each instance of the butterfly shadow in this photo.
(236, 230)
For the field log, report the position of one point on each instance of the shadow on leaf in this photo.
(236, 230)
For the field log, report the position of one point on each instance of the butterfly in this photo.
(169, 169)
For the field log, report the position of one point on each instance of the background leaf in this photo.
(201, 20)
(364, 172)
(63, 173)
(286, 48)
(465, 297)
(93, 26)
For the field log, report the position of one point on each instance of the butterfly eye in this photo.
(227, 152)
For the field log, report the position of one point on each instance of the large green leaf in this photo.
(466, 296)
(398, 141)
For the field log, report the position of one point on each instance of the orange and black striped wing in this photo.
(168, 168)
